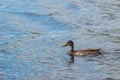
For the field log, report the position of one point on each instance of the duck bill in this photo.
(64, 45)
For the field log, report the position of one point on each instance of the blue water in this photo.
(32, 33)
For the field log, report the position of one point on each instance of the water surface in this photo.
(33, 31)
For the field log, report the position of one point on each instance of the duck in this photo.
(84, 52)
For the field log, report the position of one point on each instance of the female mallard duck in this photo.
(81, 52)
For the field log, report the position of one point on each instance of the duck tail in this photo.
(101, 50)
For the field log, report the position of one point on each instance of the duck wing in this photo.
(88, 52)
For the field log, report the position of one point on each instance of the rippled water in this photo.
(33, 31)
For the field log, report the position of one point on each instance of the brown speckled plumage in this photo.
(88, 51)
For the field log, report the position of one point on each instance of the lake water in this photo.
(32, 33)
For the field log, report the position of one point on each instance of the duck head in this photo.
(69, 43)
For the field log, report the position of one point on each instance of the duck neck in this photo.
(72, 48)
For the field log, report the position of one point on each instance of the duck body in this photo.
(83, 52)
